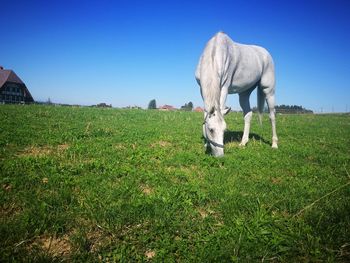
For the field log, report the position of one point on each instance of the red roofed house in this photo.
(198, 109)
(167, 107)
(12, 88)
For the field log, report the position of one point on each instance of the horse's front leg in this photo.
(223, 97)
(247, 112)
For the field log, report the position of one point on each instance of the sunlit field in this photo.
(92, 184)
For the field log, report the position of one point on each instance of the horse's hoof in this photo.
(274, 146)
(243, 143)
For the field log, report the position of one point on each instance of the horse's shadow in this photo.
(236, 136)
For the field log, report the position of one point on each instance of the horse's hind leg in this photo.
(247, 112)
(267, 85)
(270, 99)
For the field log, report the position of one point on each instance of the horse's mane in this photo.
(211, 66)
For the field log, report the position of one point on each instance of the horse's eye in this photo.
(211, 131)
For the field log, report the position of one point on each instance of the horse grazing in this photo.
(226, 67)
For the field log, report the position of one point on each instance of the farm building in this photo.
(198, 109)
(167, 108)
(12, 88)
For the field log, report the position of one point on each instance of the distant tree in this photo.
(187, 106)
(135, 107)
(152, 105)
(190, 105)
(49, 102)
(104, 105)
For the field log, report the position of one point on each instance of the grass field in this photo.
(88, 184)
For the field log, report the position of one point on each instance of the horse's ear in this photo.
(226, 111)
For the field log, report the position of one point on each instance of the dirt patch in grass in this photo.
(281, 214)
(119, 146)
(41, 151)
(232, 144)
(345, 252)
(92, 236)
(45, 180)
(52, 245)
(147, 190)
(150, 254)
(7, 187)
(35, 151)
(205, 212)
(62, 147)
(162, 144)
(9, 210)
(97, 239)
(276, 180)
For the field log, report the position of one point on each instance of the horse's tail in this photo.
(261, 103)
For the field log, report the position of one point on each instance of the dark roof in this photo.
(10, 76)
(167, 107)
(7, 75)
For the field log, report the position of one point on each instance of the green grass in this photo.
(87, 184)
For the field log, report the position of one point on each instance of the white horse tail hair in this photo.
(261, 103)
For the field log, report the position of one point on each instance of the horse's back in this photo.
(214, 55)
(238, 66)
(252, 64)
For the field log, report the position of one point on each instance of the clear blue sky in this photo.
(129, 52)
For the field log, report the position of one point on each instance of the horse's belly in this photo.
(243, 85)
(234, 89)
(247, 74)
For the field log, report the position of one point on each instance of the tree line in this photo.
(187, 107)
(291, 109)
(286, 109)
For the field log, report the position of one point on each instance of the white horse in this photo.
(226, 67)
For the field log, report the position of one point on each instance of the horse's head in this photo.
(214, 127)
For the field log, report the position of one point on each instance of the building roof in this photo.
(7, 75)
(167, 107)
(198, 109)
(10, 76)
